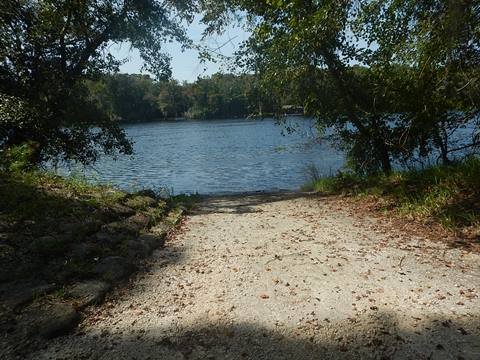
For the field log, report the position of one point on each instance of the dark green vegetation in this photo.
(57, 88)
(47, 51)
(449, 194)
(390, 79)
(140, 98)
(415, 78)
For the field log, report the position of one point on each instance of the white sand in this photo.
(288, 277)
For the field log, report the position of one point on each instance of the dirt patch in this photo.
(392, 222)
(287, 276)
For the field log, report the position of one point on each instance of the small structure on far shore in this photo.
(293, 110)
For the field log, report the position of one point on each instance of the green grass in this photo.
(186, 201)
(34, 195)
(38, 195)
(448, 194)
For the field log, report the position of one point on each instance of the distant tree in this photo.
(48, 48)
(227, 95)
(133, 97)
(172, 99)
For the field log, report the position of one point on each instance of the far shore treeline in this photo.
(138, 98)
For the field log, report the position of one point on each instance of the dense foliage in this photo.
(418, 79)
(393, 78)
(134, 98)
(49, 48)
(446, 193)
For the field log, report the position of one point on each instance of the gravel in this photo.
(288, 276)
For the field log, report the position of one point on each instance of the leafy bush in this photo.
(448, 193)
(18, 158)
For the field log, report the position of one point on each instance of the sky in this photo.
(186, 65)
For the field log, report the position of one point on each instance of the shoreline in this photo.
(64, 246)
(47, 306)
(299, 278)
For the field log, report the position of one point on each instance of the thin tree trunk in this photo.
(380, 147)
(384, 156)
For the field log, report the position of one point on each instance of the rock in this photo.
(14, 296)
(199, 352)
(137, 248)
(147, 192)
(8, 262)
(130, 226)
(111, 192)
(49, 245)
(104, 238)
(161, 229)
(121, 210)
(153, 240)
(6, 251)
(122, 227)
(141, 221)
(83, 250)
(146, 243)
(140, 202)
(66, 227)
(50, 320)
(88, 292)
(5, 226)
(114, 268)
(7, 321)
(80, 230)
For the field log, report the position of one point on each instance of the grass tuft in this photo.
(449, 194)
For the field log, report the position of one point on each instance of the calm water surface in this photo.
(219, 156)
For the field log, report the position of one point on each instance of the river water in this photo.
(219, 156)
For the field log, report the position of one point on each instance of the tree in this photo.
(438, 45)
(133, 97)
(49, 47)
(292, 41)
(224, 96)
(417, 58)
(172, 100)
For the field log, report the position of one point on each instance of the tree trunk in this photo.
(383, 156)
(334, 67)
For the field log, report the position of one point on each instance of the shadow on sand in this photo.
(244, 203)
(374, 336)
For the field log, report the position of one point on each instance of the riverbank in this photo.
(64, 244)
(442, 197)
(287, 276)
(255, 276)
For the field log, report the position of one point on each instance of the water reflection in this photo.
(219, 156)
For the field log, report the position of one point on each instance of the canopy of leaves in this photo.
(49, 47)
(419, 75)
